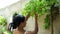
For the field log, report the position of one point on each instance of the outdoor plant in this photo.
(3, 25)
(2, 21)
(40, 7)
(47, 22)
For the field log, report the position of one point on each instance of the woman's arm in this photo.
(36, 24)
(28, 15)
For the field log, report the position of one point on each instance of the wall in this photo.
(56, 23)
(8, 11)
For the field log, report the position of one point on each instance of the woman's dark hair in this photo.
(14, 14)
(17, 20)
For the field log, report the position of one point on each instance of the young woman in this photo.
(19, 22)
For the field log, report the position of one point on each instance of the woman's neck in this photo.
(21, 29)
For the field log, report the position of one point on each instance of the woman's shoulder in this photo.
(16, 31)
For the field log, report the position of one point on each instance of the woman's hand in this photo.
(28, 15)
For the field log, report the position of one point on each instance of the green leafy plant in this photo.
(3, 24)
(40, 7)
(4, 30)
(47, 22)
(2, 21)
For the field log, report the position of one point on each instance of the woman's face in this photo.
(23, 24)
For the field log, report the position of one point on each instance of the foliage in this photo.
(4, 30)
(3, 24)
(38, 6)
(47, 22)
(2, 21)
